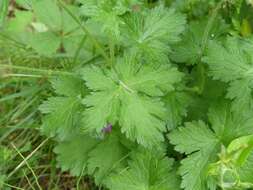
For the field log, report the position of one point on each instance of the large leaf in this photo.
(232, 63)
(202, 144)
(125, 97)
(147, 171)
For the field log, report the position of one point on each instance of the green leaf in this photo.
(147, 171)
(107, 14)
(20, 22)
(228, 62)
(62, 31)
(153, 82)
(231, 63)
(98, 80)
(193, 137)
(107, 158)
(176, 104)
(45, 43)
(63, 112)
(102, 104)
(73, 154)
(68, 85)
(149, 35)
(240, 91)
(202, 144)
(98, 157)
(228, 125)
(18, 27)
(63, 117)
(124, 97)
(223, 122)
(27, 4)
(47, 12)
(71, 44)
(69, 25)
(140, 119)
(90, 8)
(246, 171)
(212, 92)
(241, 149)
(191, 49)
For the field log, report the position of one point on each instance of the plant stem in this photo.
(79, 49)
(11, 186)
(21, 75)
(27, 158)
(201, 68)
(112, 51)
(209, 26)
(86, 31)
(45, 71)
(28, 165)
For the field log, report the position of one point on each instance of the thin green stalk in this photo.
(13, 187)
(25, 159)
(201, 67)
(209, 26)
(21, 75)
(86, 31)
(40, 175)
(192, 89)
(202, 77)
(79, 49)
(27, 179)
(23, 107)
(52, 171)
(79, 179)
(45, 71)
(90, 60)
(23, 93)
(112, 52)
(28, 165)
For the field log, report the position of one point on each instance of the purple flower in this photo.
(107, 129)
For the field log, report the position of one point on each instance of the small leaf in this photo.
(240, 149)
(101, 158)
(74, 154)
(47, 12)
(147, 171)
(68, 86)
(45, 43)
(63, 119)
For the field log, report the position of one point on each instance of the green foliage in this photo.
(149, 35)
(202, 143)
(192, 47)
(60, 30)
(133, 94)
(147, 170)
(101, 158)
(67, 108)
(231, 63)
(125, 97)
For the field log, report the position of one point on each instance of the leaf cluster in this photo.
(157, 95)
